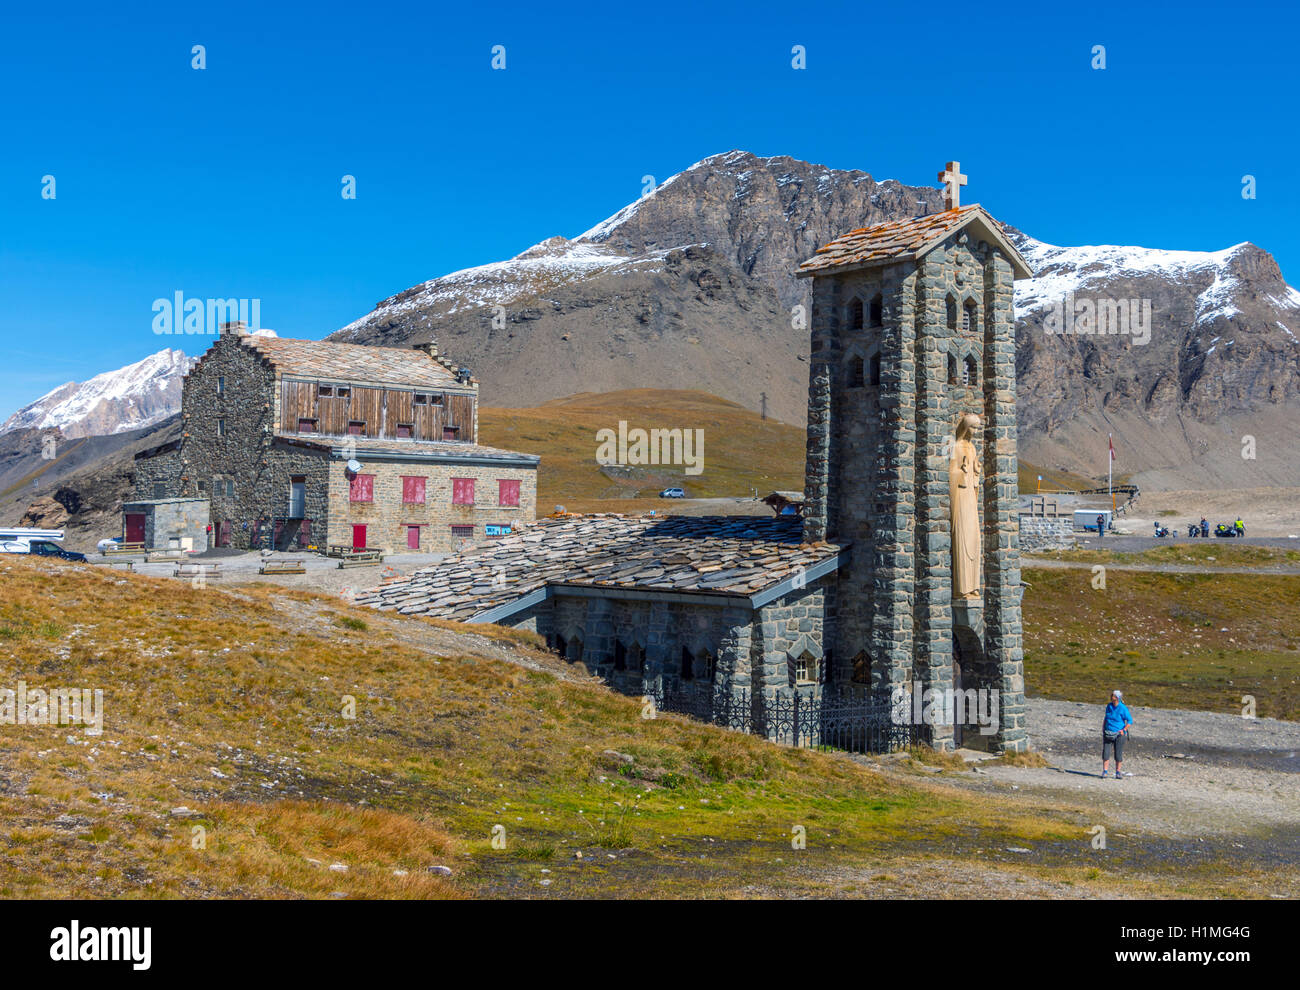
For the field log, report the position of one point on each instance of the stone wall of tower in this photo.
(1003, 632)
(877, 471)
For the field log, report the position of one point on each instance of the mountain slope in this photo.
(129, 398)
(690, 287)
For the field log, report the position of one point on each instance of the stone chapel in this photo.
(903, 574)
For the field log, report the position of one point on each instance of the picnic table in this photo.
(122, 548)
(284, 566)
(197, 568)
(361, 558)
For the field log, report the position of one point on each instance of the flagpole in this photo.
(1110, 470)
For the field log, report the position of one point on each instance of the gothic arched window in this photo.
(968, 317)
(971, 371)
(877, 310)
(952, 369)
(875, 370)
(951, 305)
(855, 372)
(855, 314)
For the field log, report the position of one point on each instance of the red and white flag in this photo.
(1111, 443)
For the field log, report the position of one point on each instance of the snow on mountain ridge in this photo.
(1063, 270)
(112, 402)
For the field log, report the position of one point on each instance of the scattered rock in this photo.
(442, 871)
(339, 867)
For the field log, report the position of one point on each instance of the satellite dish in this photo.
(354, 466)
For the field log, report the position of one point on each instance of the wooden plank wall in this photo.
(380, 409)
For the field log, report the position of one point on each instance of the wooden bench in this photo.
(338, 550)
(122, 548)
(114, 565)
(362, 558)
(197, 568)
(295, 566)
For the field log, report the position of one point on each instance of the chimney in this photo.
(234, 328)
(429, 347)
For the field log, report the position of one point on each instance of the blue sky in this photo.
(226, 182)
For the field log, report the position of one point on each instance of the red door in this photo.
(358, 536)
(134, 527)
(223, 533)
(413, 537)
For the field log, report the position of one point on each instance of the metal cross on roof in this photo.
(952, 180)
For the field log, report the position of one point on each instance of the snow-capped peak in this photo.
(129, 398)
(1065, 270)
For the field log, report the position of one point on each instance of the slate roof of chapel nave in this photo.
(720, 555)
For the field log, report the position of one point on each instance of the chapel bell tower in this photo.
(912, 457)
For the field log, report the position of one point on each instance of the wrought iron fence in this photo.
(828, 720)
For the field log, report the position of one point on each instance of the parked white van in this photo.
(19, 539)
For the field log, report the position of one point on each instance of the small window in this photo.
(862, 668)
(620, 655)
(968, 317)
(875, 370)
(462, 491)
(221, 427)
(221, 384)
(230, 488)
(325, 391)
(403, 431)
(951, 305)
(805, 668)
(342, 392)
(356, 427)
(159, 490)
(306, 426)
(952, 369)
(462, 532)
(970, 371)
(855, 373)
(508, 493)
(877, 310)
(451, 432)
(421, 399)
(435, 400)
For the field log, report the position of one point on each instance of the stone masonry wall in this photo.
(386, 518)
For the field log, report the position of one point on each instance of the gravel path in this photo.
(1194, 774)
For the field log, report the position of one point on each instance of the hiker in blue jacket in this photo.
(1114, 729)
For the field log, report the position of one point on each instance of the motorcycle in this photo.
(1222, 530)
(1162, 532)
(1193, 530)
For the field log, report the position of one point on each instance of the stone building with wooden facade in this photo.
(299, 443)
(911, 451)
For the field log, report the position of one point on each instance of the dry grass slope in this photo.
(232, 704)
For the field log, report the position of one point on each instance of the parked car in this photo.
(44, 548)
(672, 493)
(103, 546)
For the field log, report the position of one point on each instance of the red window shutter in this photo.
(363, 488)
(412, 490)
(462, 491)
(508, 492)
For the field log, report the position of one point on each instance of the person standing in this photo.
(1101, 524)
(1114, 730)
(1240, 527)
(1205, 527)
